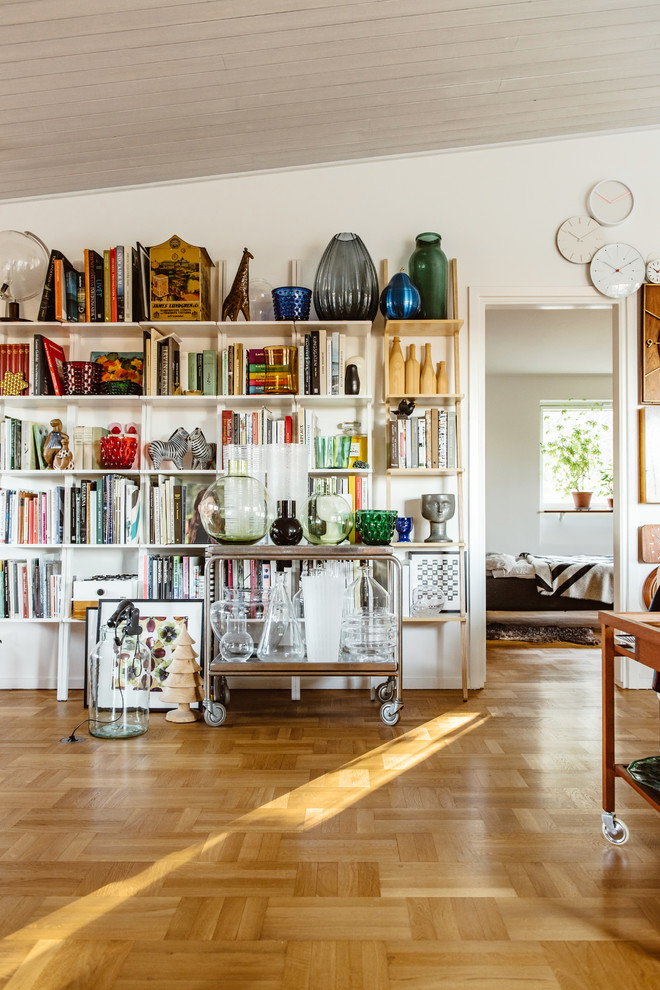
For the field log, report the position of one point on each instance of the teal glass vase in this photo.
(428, 272)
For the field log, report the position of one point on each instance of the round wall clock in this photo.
(617, 270)
(653, 270)
(579, 238)
(610, 202)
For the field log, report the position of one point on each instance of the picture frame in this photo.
(649, 454)
(430, 571)
(161, 621)
(120, 366)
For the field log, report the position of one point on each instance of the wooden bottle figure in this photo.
(183, 682)
(397, 368)
(52, 443)
(412, 372)
(442, 379)
(427, 382)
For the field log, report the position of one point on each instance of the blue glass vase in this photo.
(346, 284)
(400, 299)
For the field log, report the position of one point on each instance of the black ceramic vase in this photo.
(351, 380)
(286, 531)
(346, 283)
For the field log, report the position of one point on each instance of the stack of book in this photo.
(106, 288)
(105, 510)
(35, 518)
(174, 512)
(177, 576)
(424, 441)
(30, 589)
(21, 444)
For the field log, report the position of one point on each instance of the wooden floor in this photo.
(306, 846)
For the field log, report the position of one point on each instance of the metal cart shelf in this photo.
(644, 647)
(216, 670)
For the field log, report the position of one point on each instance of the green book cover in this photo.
(192, 371)
(40, 433)
(210, 377)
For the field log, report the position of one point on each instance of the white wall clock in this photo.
(617, 270)
(610, 202)
(653, 269)
(579, 238)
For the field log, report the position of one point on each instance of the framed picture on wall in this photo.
(435, 582)
(651, 343)
(162, 620)
(649, 454)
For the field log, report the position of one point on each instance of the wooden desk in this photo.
(645, 627)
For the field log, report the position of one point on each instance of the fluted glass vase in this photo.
(346, 283)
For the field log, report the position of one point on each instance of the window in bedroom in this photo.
(576, 452)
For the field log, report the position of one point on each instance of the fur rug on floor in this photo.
(582, 635)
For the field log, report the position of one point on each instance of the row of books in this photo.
(107, 288)
(35, 518)
(105, 510)
(424, 441)
(175, 576)
(174, 512)
(30, 589)
(14, 358)
(21, 444)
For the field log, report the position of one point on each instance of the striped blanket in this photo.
(591, 578)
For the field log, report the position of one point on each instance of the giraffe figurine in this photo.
(238, 297)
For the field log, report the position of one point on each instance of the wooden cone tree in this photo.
(183, 683)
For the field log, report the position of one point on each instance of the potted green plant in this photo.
(607, 484)
(576, 456)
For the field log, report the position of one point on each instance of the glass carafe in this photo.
(281, 638)
(368, 625)
(236, 644)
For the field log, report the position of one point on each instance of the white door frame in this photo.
(624, 399)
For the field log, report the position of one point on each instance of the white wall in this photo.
(514, 523)
(497, 210)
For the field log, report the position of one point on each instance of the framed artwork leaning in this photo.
(162, 620)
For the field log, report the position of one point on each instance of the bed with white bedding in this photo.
(528, 582)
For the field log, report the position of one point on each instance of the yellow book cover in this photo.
(180, 282)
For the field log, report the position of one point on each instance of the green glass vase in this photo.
(428, 273)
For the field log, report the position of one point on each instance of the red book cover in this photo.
(55, 358)
(25, 362)
(227, 430)
(288, 429)
(25, 595)
(255, 427)
(4, 353)
(113, 285)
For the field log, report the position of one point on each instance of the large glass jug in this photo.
(119, 683)
(235, 509)
(368, 625)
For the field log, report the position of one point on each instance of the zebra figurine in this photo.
(173, 449)
(203, 452)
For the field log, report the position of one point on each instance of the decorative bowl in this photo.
(291, 302)
(118, 450)
(376, 526)
(81, 377)
(121, 387)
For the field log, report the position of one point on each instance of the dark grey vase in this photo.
(346, 283)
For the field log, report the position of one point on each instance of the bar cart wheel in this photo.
(614, 830)
(214, 713)
(389, 712)
(385, 691)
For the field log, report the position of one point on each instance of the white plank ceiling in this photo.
(104, 93)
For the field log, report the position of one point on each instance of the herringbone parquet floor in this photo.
(306, 846)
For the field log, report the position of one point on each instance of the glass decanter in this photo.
(326, 517)
(368, 625)
(236, 644)
(281, 638)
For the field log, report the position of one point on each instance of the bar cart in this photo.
(216, 669)
(635, 635)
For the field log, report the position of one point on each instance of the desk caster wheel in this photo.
(389, 713)
(385, 691)
(215, 714)
(615, 831)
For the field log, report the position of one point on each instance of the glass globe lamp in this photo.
(261, 299)
(235, 508)
(23, 266)
(119, 683)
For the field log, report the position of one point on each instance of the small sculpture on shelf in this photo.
(203, 452)
(63, 460)
(438, 508)
(405, 408)
(52, 443)
(183, 682)
(238, 298)
(13, 383)
(173, 449)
